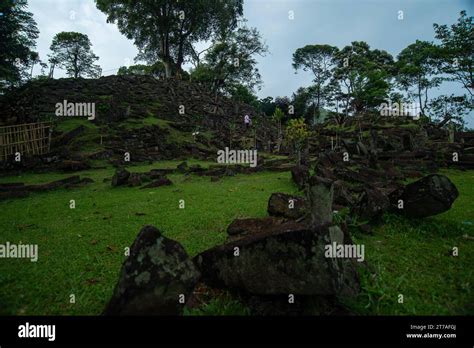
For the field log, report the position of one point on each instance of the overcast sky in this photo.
(334, 22)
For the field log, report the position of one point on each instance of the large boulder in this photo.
(431, 195)
(286, 259)
(288, 206)
(120, 177)
(300, 175)
(153, 279)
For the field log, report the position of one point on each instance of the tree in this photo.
(297, 134)
(18, 34)
(267, 106)
(362, 76)
(165, 30)
(451, 109)
(231, 62)
(278, 117)
(320, 60)
(283, 103)
(417, 67)
(156, 70)
(72, 52)
(457, 47)
(243, 94)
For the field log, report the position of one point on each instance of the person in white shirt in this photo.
(247, 121)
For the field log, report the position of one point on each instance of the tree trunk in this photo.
(167, 69)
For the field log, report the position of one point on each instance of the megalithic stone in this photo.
(320, 196)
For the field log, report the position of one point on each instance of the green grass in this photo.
(81, 250)
(140, 123)
(412, 257)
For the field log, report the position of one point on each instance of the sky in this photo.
(285, 25)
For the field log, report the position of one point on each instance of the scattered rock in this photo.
(163, 181)
(300, 175)
(182, 167)
(71, 180)
(73, 166)
(120, 177)
(67, 137)
(134, 179)
(288, 206)
(153, 277)
(372, 204)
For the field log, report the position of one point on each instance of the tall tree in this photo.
(320, 60)
(457, 44)
(363, 76)
(231, 61)
(72, 52)
(18, 34)
(417, 67)
(166, 29)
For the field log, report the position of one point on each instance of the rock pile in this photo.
(19, 190)
(264, 258)
(155, 178)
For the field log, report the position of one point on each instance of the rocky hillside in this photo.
(152, 119)
(122, 97)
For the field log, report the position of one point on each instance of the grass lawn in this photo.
(81, 249)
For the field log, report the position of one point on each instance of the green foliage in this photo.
(297, 134)
(157, 69)
(166, 30)
(243, 94)
(18, 34)
(72, 52)
(452, 108)
(320, 60)
(416, 66)
(457, 50)
(267, 106)
(361, 76)
(230, 62)
(278, 115)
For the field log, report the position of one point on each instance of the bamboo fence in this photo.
(27, 139)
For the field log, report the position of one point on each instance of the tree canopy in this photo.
(166, 30)
(18, 34)
(72, 52)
